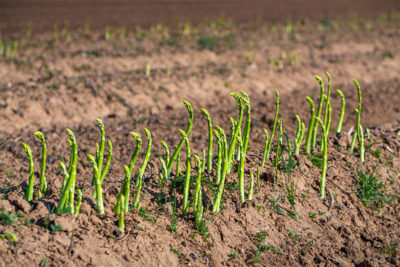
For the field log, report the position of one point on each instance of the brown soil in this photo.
(53, 84)
(44, 14)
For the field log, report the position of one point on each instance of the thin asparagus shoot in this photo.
(241, 170)
(136, 202)
(136, 152)
(353, 141)
(246, 133)
(124, 192)
(210, 140)
(107, 166)
(187, 132)
(328, 101)
(126, 188)
(100, 156)
(197, 196)
(43, 182)
(342, 110)
(165, 146)
(278, 151)
(325, 157)
(319, 110)
(264, 156)
(219, 158)
(68, 190)
(204, 160)
(225, 166)
(361, 142)
(251, 189)
(299, 134)
(273, 129)
(178, 164)
(328, 120)
(238, 125)
(99, 191)
(185, 206)
(29, 189)
(310, 126)
(121, 211)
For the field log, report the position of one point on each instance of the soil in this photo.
(66, 82)
(44, 14)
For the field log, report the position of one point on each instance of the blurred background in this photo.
(43, 14)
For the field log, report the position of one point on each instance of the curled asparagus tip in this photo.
(328, 76)
(297, 118)
(266, 133)
(205, 112)
(319, 80)
(91, 159)
(216, 133)
(165, 146)
(357, 84)
(71, 136)
(148, 134)
(245, 98)
(26, 147)
(197, 159)
(237, 97)
(182, 132)
(244, 94)
(137, 138)
(40, 135)
(277, 94)
(100, 123)
(221, 132)
(188, 106)
(310, 101)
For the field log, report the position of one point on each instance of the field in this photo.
(133, 79)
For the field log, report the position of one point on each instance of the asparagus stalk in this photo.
(29, 189)
(179, 147)
(142, 169)
(353, 141)
(43, 182)
(342, 110)
(267, 151)
(325, 157)
(310, 126)
(319, 111)
(210, 140)
(185, 206)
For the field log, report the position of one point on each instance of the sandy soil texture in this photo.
(139, 79)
